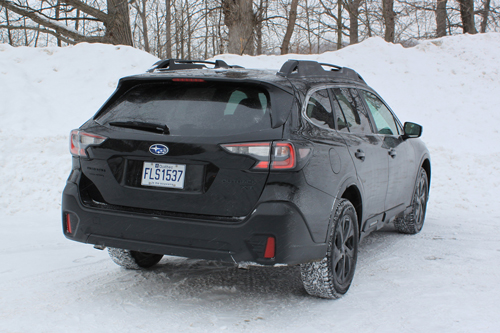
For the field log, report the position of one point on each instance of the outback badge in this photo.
(158, 149)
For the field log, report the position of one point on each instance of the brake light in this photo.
(274, 156)
(79, 141)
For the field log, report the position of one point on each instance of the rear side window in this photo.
(356, 117)
(319, 109)
(200, 109)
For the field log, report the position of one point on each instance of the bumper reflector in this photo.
(68, 224)
(270, 248)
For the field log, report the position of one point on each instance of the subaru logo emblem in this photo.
(158, 149)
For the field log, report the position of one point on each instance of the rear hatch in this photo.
(164, 147)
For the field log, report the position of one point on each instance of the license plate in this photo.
(163, 175)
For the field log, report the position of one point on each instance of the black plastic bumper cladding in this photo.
(195, 238)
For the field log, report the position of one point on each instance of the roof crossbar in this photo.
(308, 68)
(179, 64)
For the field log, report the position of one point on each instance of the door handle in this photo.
(360, 154)
(392, 153)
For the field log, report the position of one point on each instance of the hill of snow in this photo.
(445, 278)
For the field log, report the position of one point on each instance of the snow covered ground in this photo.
(444, 279)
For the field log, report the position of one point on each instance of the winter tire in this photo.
(133, 259)
(413, 222)
(332, 276)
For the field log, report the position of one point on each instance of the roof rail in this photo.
(178, 64)
(308, 68)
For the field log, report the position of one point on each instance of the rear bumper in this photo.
(194, 238)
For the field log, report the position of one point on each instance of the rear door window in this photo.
(200, 109)
(383, 118)
(355, 114)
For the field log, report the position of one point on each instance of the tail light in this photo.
(257, 150)
(275, 156)
(283, 156)
(79, 141)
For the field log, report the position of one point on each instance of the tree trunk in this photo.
(441, 17)
(9, 33)
(58, 8)
(188, 16)
(118, 23)
(353, 8)
(308, 26)
(219, 34)
(206, 30)
(339, 24)
(484, 15)
(240, 21)
(368, 25)
(77, 21)
(389, 20)
(142, 15)
(260, 17)
(168, 34)
(292, 16)
(467, 14)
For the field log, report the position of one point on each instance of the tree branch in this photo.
(51, 32)
(49, 23)
(101, 16)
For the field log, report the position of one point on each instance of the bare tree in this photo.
(389, 20)
(292, 17)
(168, 24)
(467, 15)
(240, 20)
(485, 12)
(353, 9)
(441, 17)
(339, 24)
(116, 21)
(140, 6)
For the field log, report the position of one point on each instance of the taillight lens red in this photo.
(274, 156)
(79, 141)
(283, 156)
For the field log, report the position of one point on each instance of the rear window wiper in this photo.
(138, 125)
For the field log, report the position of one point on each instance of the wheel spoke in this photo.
(348, 230)
(349, 252)
(339, 270)
(347, 266)
(337, 254)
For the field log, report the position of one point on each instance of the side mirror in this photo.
(412, 130)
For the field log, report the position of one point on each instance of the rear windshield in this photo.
(198, 109)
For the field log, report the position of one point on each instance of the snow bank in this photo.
(49, 91)
(447, 85)
(444, 279)
(444, 84)
(44, 94)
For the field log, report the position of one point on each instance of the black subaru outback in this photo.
(211, 161)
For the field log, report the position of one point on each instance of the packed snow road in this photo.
(439, 280)
(444, 279)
